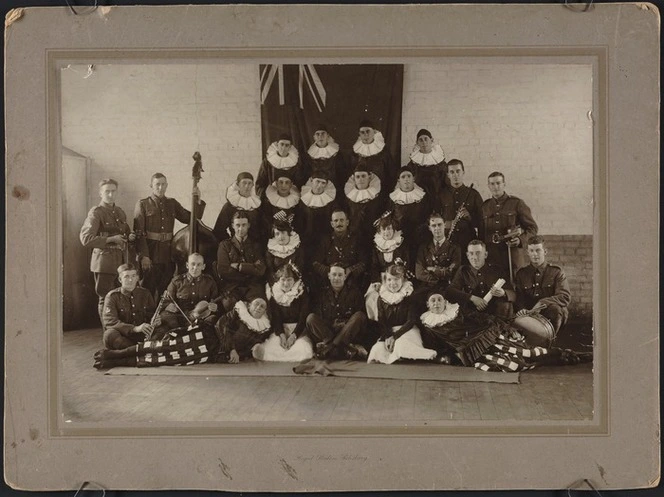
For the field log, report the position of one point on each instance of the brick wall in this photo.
(134, 120)
(528, 120)
(574, 253)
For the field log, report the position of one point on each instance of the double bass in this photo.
(196, 237)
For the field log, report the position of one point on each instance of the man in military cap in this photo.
(508, 223)
(473, 282)
(542, 287)
(106, 231)
(462, 201)
(128, 312)
(154, 219)
(185, 292)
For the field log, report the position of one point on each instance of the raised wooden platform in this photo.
(547, 393)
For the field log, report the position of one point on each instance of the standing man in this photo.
(428, 161)
(106, 231)
(128, 312)
(463, 201)
(473, 282)
(542, 288)
(317, 202)
(338, 319)
(508, 224)
(240, 265)
(370, 145)
(437, 260)
(154, 218)
(365, 202)
(324, 157)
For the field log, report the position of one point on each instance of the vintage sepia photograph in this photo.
(355, 243)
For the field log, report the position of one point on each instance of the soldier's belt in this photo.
(160, 237)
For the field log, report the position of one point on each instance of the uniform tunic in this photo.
(547, 285)
(466, 229)
(340, 251)
(101, 223)
(124, 310)
(445, 256)
(503, 215)
(249, 276)
(469, 281)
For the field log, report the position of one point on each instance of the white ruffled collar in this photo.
(285, 299)
(280, 162)
(282, 202)
(386, 246)
(369, 149)
(316, 152)
(398, 196)
(284, 251)
(238, 201)
(395, 297)
(361, 196)
(449, 314)
(311, 200)
(258, 325)
(436, 156)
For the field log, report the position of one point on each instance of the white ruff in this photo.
(282, 202)
(388, 246)
(431, 319)
(282, 162)
(395, 297)
(398, 196)
(361, 196)
(285, 299)
(316, 152)
(311, 200)
(369, 149)
(238, 201)
(436, 156)
(284, 251)
(258, 325)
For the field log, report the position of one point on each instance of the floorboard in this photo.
(547, 393)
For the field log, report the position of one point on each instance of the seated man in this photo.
(128, 312)
(340, 249)
(542, 288)
(187, 290)
(338, 319)
(472, 283)
(437, 260)
(240, 264)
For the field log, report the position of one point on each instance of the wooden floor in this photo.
(547, 393)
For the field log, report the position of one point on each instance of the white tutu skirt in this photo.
(271, 349)
(407, 346)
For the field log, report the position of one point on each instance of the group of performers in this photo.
(333, 256)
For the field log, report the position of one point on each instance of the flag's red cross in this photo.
(306, 72)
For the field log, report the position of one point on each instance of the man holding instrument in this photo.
(462, 203)
(185, 292)
(128, 312)
(542, 288)
(154, 218)
(507, 226)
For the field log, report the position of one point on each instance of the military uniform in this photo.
(154, 218)
(343, 251)
(122, 311)
(247, 280)
(187, 292)
(338, 319)
(500, 216)
(104, 221)
(444, 256)
(469, 281)
(466, 229)
(547, 285)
